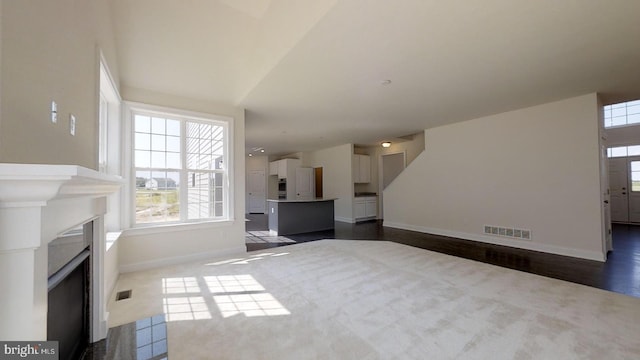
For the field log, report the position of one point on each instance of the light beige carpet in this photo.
(338, 299)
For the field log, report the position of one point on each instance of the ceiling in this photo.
(310, 73)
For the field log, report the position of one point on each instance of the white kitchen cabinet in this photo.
(371, 207)
(284, 168)
(273, 168)
(366, 208)
(360, 210)
(361, 168)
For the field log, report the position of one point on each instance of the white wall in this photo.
(337, 177)
(535, 168)
(145, 248)
(50, 52)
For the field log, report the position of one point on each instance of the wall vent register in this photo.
(507, 232)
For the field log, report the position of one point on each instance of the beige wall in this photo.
(139, 249)
(50, 52)
(535, 168)
(336, 177)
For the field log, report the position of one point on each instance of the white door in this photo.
(256, 191)
(634, 189)
(618, 184)
(305, 188)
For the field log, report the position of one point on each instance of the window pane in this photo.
(173, 143)
(218, 163)
(619, 120)
(205, 162)
(192, 161)
(142, 141)
(635, 166)
(201, 195)
(141, 178)
(633, 150)
(173, 127)
(158, 142)
(158, 159)
(173, 160)
(619, 151)
(633, 109)
(621, 111)
(158, 200)
(142, 159)
(158, 125)
(143, 123)
(633, 119)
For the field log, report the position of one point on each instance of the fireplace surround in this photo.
(38, 203)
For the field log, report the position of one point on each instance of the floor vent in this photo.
(122, 295)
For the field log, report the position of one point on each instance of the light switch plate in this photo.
(72, 124)
(54, 112)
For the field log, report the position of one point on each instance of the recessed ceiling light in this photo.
(386, 144)
(385, 82)
(262, 150)
(250, 154)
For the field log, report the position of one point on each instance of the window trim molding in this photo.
(129, 107)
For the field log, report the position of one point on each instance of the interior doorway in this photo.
(318, 177)
(624, 182)
(391, 165)
(256, 190)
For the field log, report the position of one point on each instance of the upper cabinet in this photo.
(284, 168)
(361, 168)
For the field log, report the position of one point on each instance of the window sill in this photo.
(164, 228)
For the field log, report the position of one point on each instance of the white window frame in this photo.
(130, 109)
(626, 105)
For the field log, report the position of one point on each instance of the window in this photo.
(621, 114)
(181, 168)
(623, 151)
(102, 133)
(635, 176)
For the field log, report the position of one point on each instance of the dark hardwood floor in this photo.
(620, 273)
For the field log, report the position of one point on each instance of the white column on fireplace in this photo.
(38, 203)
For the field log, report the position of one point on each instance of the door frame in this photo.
(248, 191)
(380, 178)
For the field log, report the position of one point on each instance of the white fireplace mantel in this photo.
(36, 202)
(32, 184)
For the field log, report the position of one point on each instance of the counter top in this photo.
(365, 194)
(297, 201)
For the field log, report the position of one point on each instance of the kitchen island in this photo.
(288, 217)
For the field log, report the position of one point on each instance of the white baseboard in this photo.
(345, 220)
(522, 244)
(151, 264)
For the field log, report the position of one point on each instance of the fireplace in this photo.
(38, 206)
(69, 284)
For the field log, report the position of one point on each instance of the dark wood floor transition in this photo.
(620, 273)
